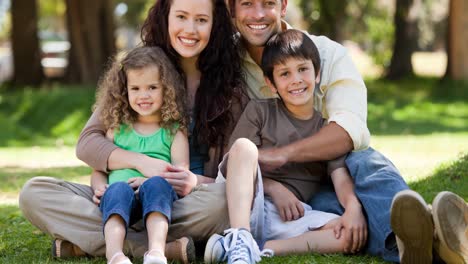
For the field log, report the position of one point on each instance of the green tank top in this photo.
(156, 145)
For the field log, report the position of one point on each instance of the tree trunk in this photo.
(457, 64)
(333, 14)
(406, 37)
(332, 17)
(91, 33)
(25, 43)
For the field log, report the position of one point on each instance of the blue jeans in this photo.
(154, 195)
(376, 181)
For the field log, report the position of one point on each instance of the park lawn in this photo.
(419, 123)
(20, 242)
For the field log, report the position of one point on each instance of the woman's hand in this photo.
(181, 179)
(150, 167)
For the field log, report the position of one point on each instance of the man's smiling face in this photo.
(258, 20)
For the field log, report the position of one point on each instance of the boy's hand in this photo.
(353, 226)
(289, 207)
(98, 193)
(136, 182)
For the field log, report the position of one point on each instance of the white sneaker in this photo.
(214, 250)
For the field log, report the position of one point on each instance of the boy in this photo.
(291, 66)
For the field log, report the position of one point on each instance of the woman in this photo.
(199, 38)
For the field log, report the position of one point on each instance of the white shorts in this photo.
(265, 221)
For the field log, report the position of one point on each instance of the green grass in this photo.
(55, 115)
(47, 116)
(20, 242)
(418, 123)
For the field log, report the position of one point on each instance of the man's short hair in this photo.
(291, 43)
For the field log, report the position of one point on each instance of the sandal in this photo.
(149, 259)
(118, 254)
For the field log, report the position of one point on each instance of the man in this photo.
(341, 97)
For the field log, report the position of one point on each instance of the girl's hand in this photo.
(136, 182)
(181, 179)
(289, 207)
(98, 193)
(354, 227)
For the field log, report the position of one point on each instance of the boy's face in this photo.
(258, 20)
(294, 81)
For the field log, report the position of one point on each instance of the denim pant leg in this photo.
(157, 195)
(119, 199)
(376, 182)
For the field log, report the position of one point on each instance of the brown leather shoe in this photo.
(65, 249)
(411, 222)
(182, 250)
(450, 213)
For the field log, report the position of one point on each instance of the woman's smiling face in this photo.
(190, 23)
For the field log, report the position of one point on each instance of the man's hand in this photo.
(150, 167)
(136, 182)
(352, 224)
(271, 158)
(289, 207)
(181, 179)
(98, 193)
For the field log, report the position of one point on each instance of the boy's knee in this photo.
(245, 148)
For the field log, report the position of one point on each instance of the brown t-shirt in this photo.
(267, 123)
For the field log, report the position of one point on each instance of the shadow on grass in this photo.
(417, 106)
(451, 177)
(12, 179)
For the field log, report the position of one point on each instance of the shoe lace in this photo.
(241, 246)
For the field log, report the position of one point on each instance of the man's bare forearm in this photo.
(331, 142)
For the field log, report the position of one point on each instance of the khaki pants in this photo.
(65, 210)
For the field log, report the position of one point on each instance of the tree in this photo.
(406, 38)
(91, 34)
(25, 43)
(457, 66)
(325, 17)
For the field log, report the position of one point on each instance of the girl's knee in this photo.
(245, 148)
(156, 181)
(156, 184)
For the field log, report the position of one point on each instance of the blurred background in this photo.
(69, 41)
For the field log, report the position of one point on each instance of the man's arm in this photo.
(329, 142)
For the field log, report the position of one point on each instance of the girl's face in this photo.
(190, 24)
(145, 92)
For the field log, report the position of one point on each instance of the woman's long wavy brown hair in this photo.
(112, 96)
(222, 80)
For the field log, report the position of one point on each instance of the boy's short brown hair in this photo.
(291, 43)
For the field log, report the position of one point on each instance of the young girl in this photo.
(141, 101)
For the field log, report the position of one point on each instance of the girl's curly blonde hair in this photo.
(112, 95)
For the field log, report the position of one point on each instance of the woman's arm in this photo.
(100, 153)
